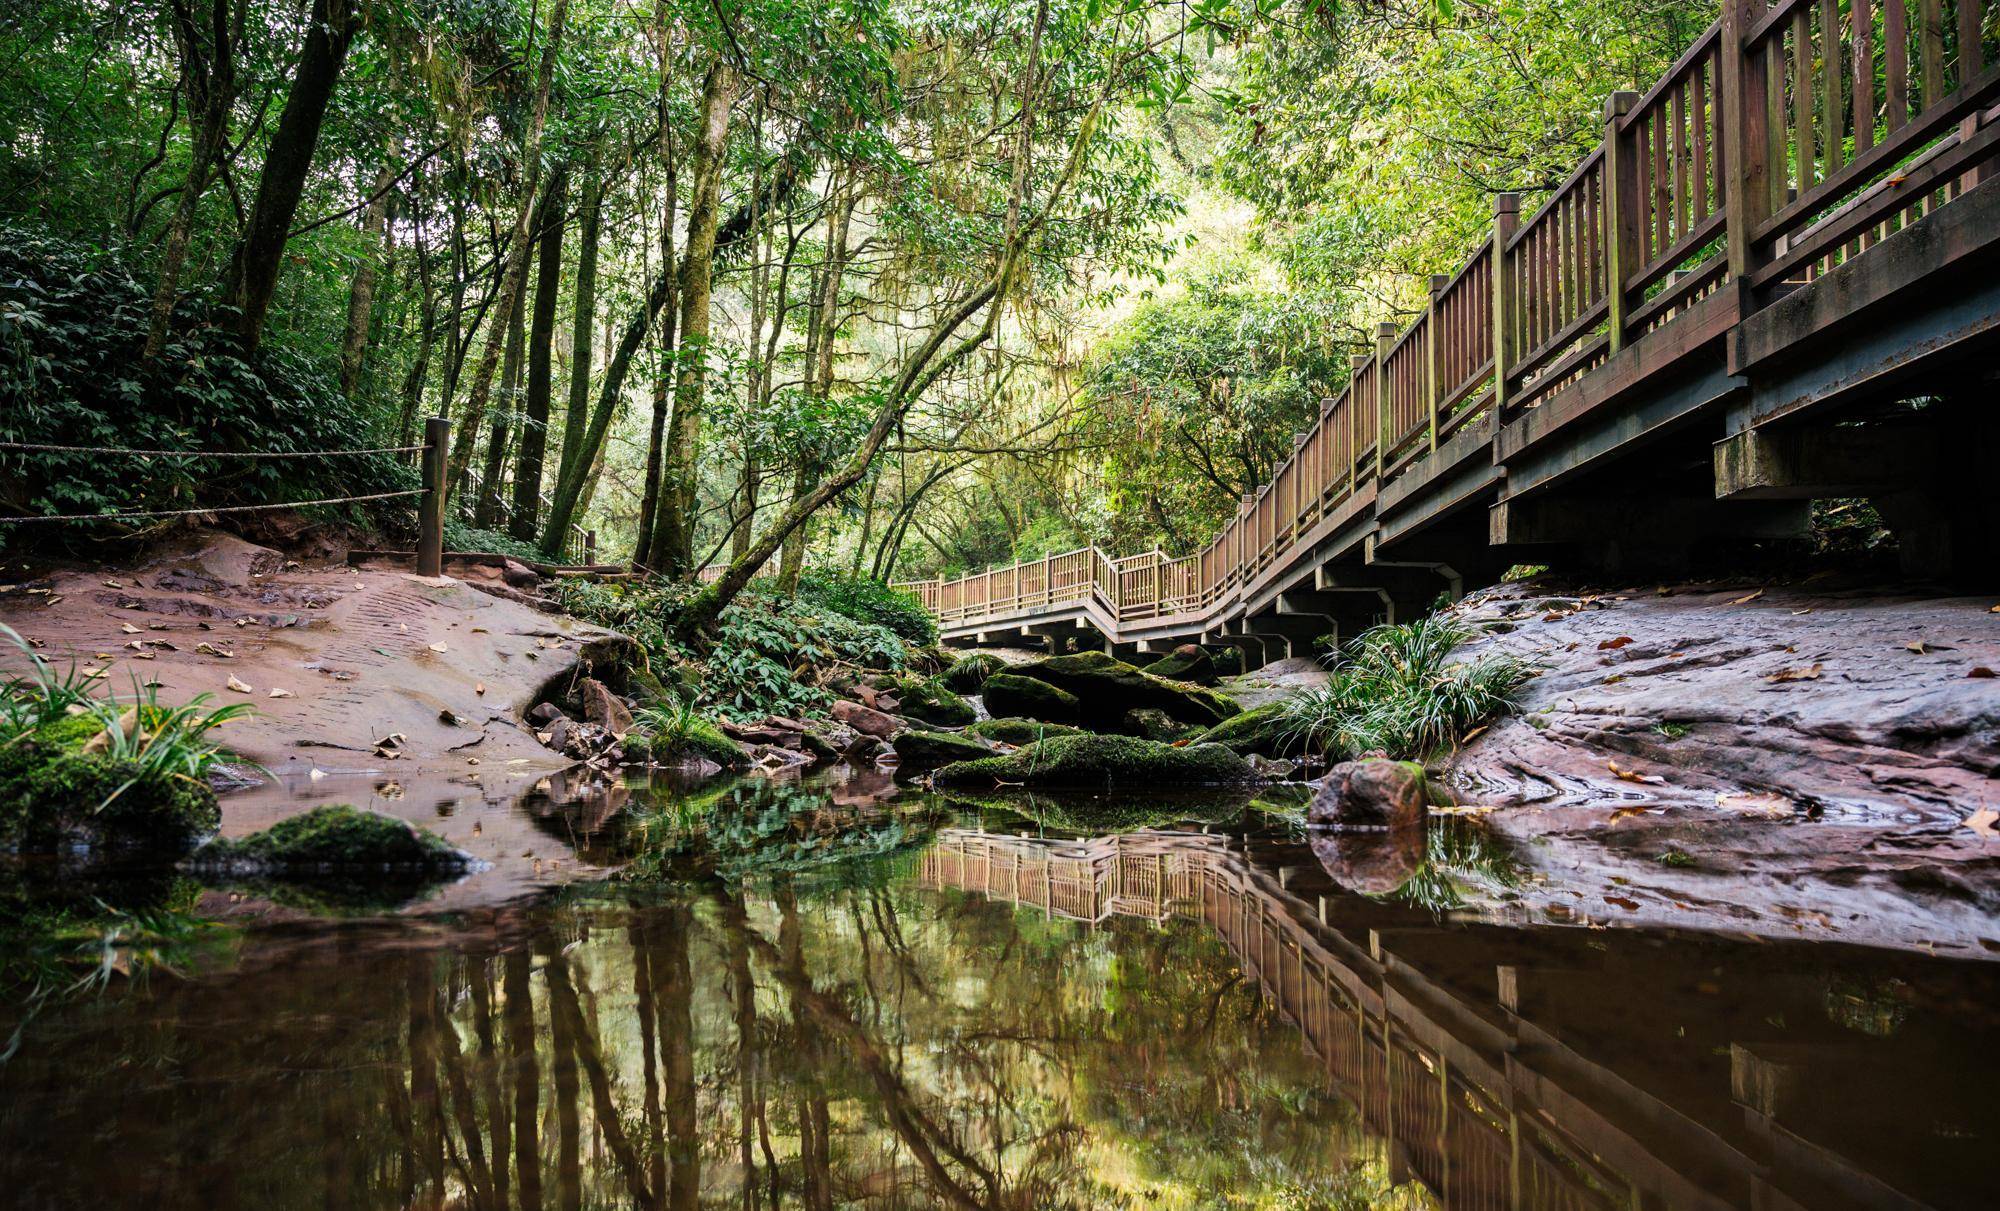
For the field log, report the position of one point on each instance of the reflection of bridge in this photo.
(1793, 228)
(1485, 1107)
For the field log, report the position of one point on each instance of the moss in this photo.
(50, 799)
(71, 732)
(700, 738)
(1027, 698)
(919, 751)
(927, 700)
(968, 673)
(1152, 723)
(1260, 729)
(1102, 761)
(1188, 662)
(1020, 731)
(335, 837)
(1107, 688)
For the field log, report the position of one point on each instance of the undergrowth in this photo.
(1397, 689)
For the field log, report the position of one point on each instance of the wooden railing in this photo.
(1786, 141)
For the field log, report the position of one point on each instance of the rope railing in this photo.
(431, 510)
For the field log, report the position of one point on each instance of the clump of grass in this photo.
(1396, 689)
(1461, 861)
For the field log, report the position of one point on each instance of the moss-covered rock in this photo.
(71, 732)
(701, 738)
(1020, 731)
(1188, 662)
(1106, 688)
(51, 798)
(334, 839)
(919, 752)
(1152, 723)
(1105, 761)
(1260, 729)
(928, 701)
(968, 673)
(1027, 698)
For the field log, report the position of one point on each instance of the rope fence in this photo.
(430, 522)
(43, 448)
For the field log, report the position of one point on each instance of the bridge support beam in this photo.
(1298, 633)
(1629, 535)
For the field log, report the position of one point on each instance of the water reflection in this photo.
(971, 1019)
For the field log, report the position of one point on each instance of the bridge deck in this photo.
(1795, 225)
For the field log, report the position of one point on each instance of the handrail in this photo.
(1743, 166)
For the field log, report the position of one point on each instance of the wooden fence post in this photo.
(1434, 385)
(1385, 338)
(430, 513)
(1748, 186)
(590, 546)
(1623, 210)
(1506, 220)
(1354, 367)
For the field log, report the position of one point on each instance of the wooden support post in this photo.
(430, 513)
(1385, 339)
(1748, 183)
(1506, 220)
(1623, 209)
(590, 546)
(1434, 384)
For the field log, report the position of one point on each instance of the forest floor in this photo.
(373, 687)
(1736, 754)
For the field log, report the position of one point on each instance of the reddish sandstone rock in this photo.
(865, 719)
(1373, 792)
(603, 707)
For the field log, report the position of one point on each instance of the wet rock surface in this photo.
(1373, 793)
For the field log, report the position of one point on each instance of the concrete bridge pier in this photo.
(1927, 470)
(1251, 646)
(1627, 536)
(1380, 592)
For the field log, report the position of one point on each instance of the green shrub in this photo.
(1396, 689)
(71, 332)
(460, 536)
(968, 673)
(867, 600)
(670, 732)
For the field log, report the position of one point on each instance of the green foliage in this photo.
(1086, 760)
(769, 655)
(459, 536)
(72, 324)
(869, 601)
(1397, 689)
(757, 827)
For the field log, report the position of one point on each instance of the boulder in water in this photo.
(1373, 792)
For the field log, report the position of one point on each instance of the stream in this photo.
(801, 996)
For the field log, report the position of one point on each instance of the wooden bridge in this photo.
(1494, 1101)
(1772, 281)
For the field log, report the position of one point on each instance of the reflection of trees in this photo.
(810, 1046)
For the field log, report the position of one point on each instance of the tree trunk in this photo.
(541, 338)
(516, 273)
(208, 74)
(672, 543)
(487, 510)
(361, 294)
(253, 270)
(793, 554)
(663, 379)
(582, 336)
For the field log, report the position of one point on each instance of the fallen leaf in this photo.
(1624, 902)
(472, 761)
(447, 718)
(1980, 670)
(479, 687)
(1629, 775)
(238, 686)
(437, 647)
(1796, 613)
(278, 693)
(1612, 645)
(112, 584)
(1804, 673)
(1984, 821)
(392, 740)
(1762, 804)
(208, 649)
(153, 683)
(91, 670)
(1747, 598)
(317, 774)
(128, 628)
(1924, 649)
